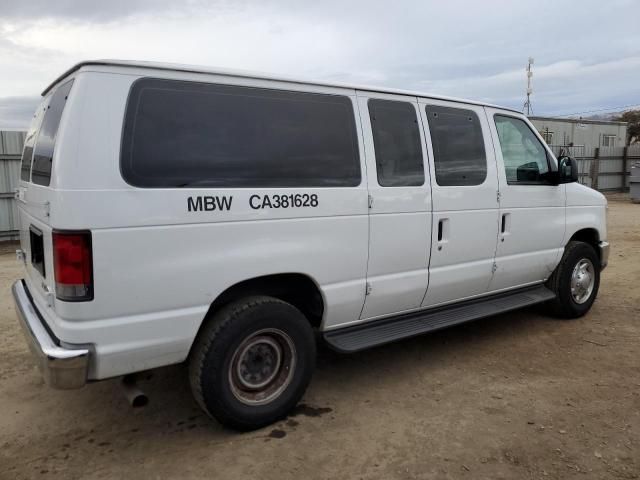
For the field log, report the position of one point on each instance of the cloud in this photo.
(586, 58)
(558, 87)
(81, 9)
(16, 112)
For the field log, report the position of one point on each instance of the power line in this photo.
(600, 110)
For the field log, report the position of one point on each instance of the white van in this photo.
(172, 213)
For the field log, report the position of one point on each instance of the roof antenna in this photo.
(527, 104)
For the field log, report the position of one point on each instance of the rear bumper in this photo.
(604, 254)
(62, 368)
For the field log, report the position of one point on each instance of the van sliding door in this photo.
(400, 204)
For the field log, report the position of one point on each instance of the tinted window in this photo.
(43, 154)
(179, 134)
(30, 140)
(396, 140)
(458, 146)
(524, 157)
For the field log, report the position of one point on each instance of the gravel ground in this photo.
(515, 396)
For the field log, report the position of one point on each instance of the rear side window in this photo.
(30, 140)
(458, 146)
(182, 134)
(43, 153)
(396, 140)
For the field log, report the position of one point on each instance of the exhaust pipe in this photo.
(132, 393)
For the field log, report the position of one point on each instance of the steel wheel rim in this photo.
(583, 280)
(262, 366)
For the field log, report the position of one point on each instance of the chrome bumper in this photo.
(604, 254)
(62, 368)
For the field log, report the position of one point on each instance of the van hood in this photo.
(581, 195)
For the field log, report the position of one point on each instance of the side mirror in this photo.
(567, 170)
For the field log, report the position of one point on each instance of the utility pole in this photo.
(527, 104)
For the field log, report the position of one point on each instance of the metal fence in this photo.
(602, 168)
(10, 151)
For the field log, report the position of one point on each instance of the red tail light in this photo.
(73, 266)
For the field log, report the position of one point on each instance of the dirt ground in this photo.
(517, 396)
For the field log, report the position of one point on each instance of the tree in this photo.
(632, 117)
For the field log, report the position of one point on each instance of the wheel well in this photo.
(294, 288)
(587, 235)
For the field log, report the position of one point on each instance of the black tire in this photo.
(215, 370)
(565, 305)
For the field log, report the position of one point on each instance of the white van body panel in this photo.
(586, 209)
(373, 252)
(162, 263)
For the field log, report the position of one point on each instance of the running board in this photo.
(378, 332)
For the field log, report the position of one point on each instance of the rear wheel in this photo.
(575, 281)
(252, 362)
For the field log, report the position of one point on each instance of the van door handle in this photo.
(505, 225)
(443, 232)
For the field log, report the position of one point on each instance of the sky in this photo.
(587, 53)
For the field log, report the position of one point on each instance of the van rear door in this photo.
(35, 194)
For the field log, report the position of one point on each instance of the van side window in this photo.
(458, 146)
(43, 153)
(188, 134)
(525, 159)
(396, 140)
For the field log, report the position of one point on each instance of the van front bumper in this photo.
(63, 368)
(604, 254)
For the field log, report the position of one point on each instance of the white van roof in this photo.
(256, 75)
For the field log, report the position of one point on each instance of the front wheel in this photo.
(252, 362)
(575, 281)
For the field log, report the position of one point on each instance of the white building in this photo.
(580, 132)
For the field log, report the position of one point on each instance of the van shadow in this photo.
(169, 390)
(100, 415)
(441, 347)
